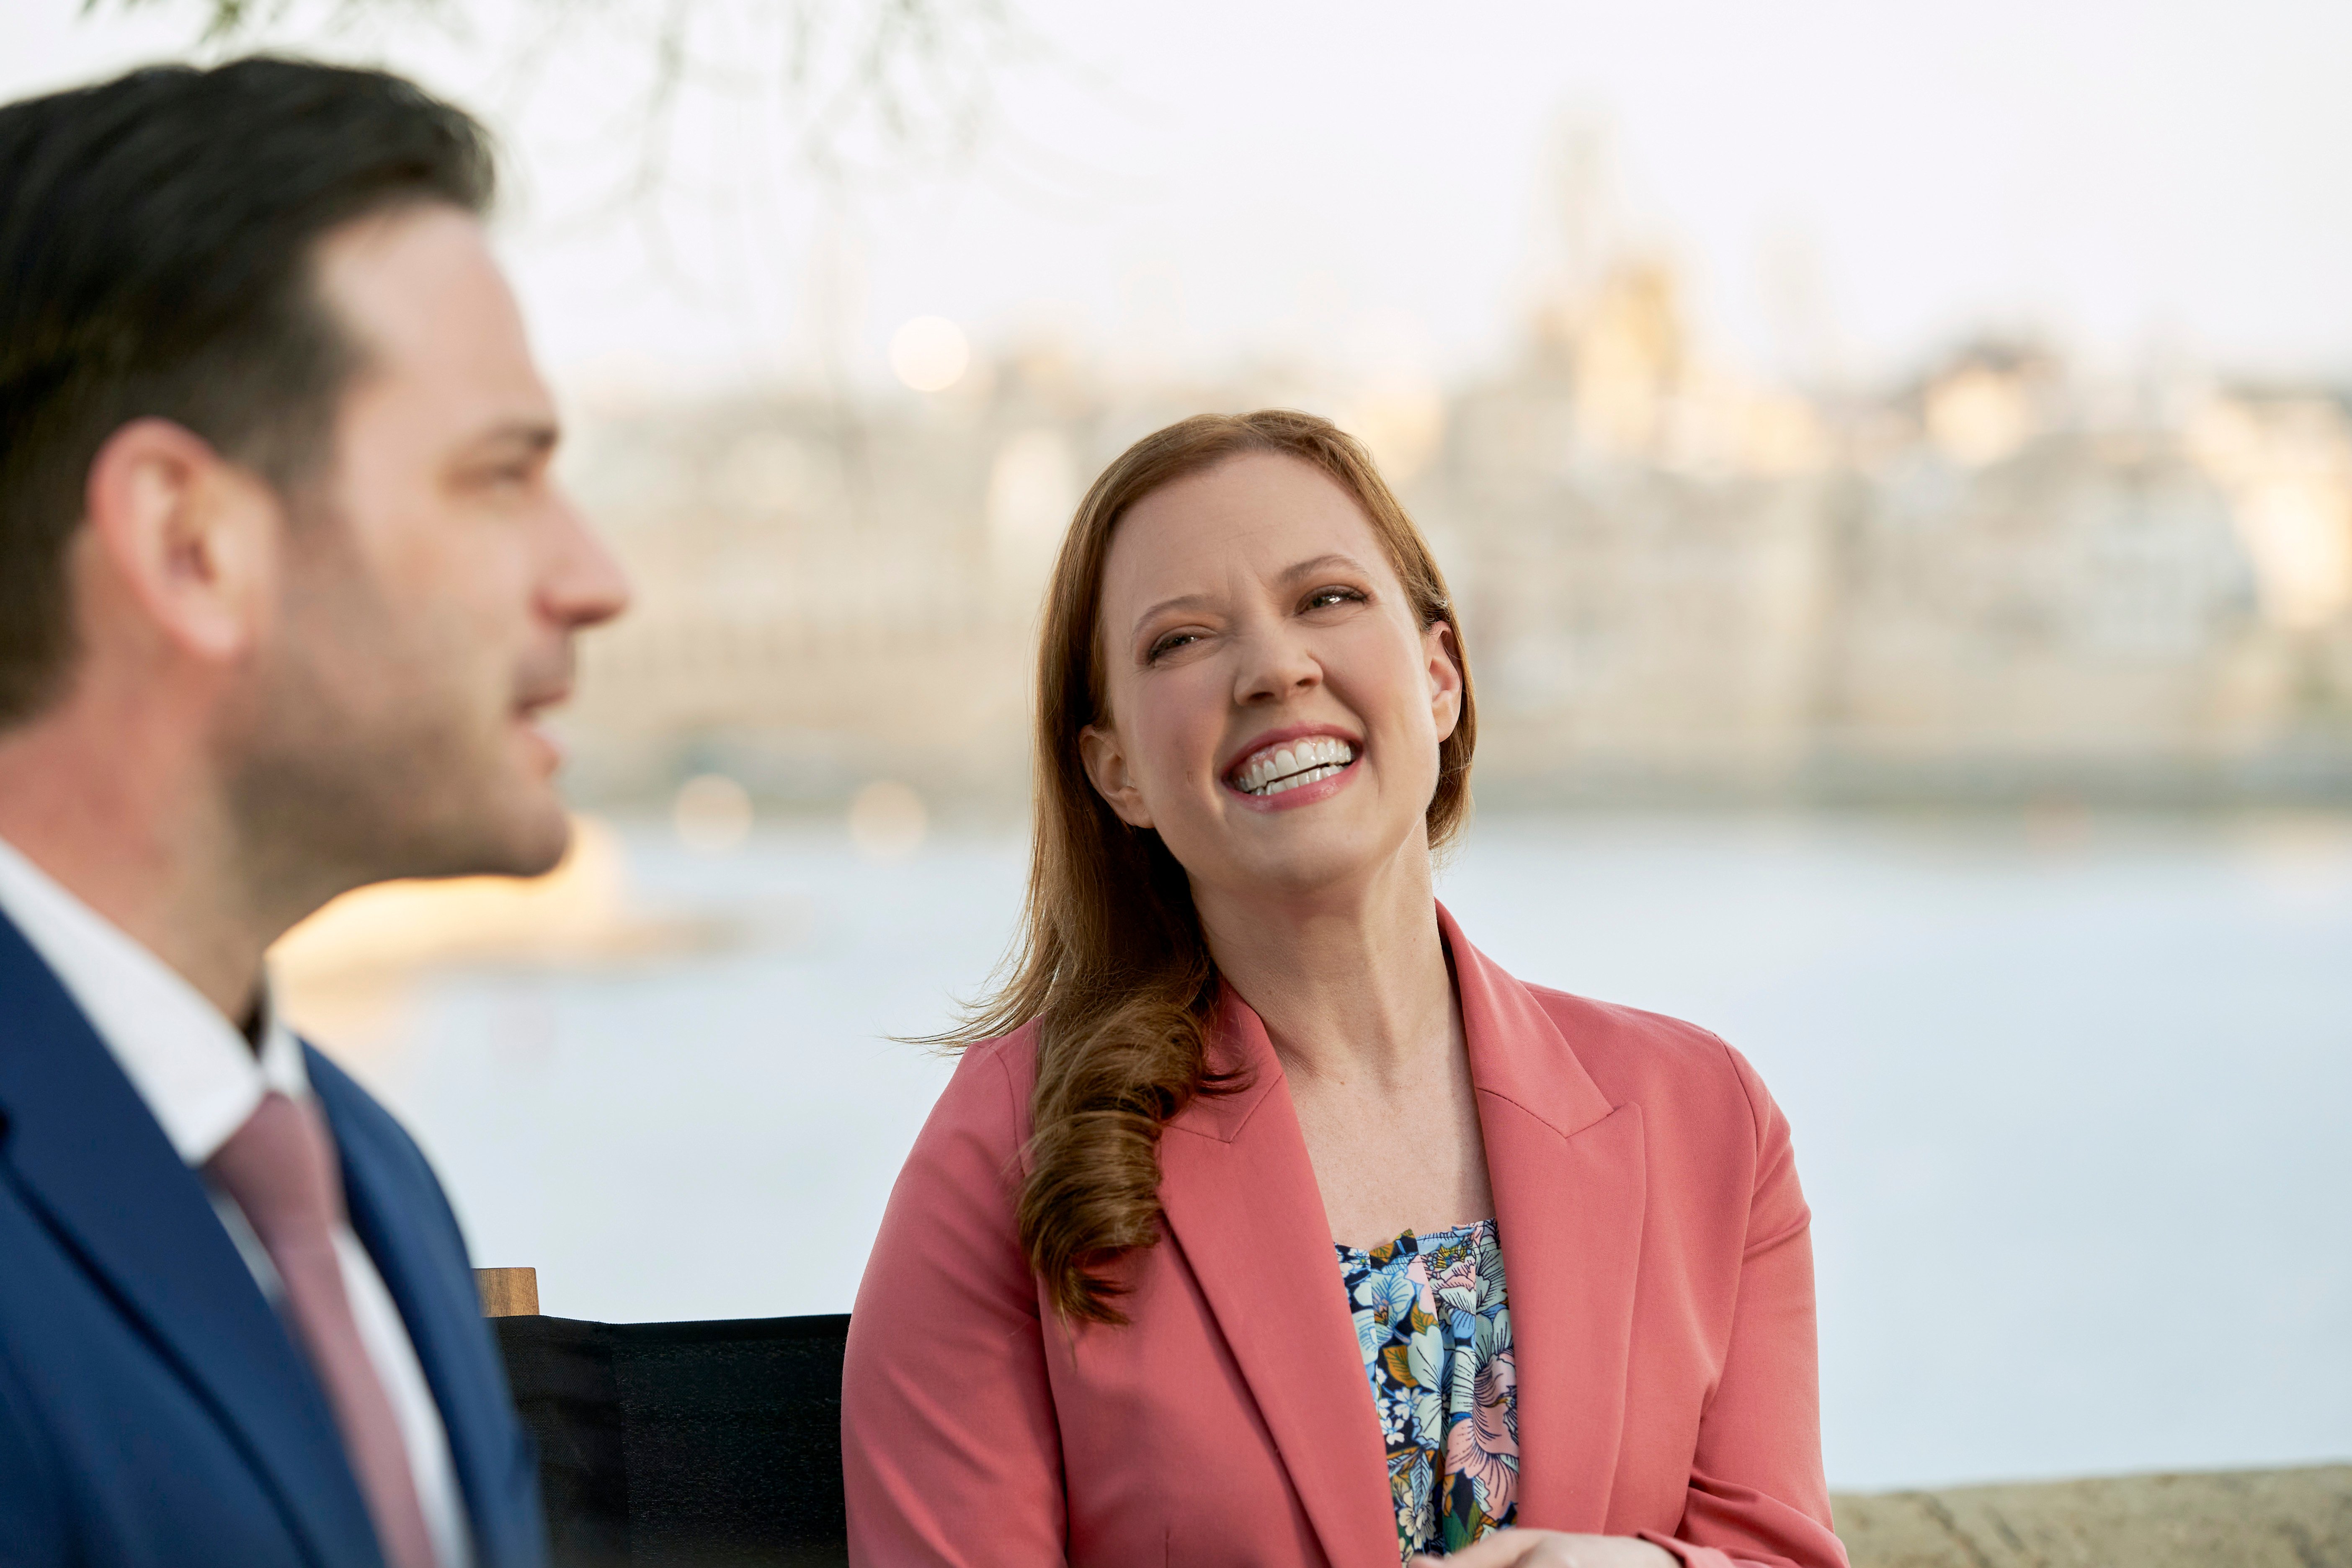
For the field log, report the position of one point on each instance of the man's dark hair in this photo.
(157, 242)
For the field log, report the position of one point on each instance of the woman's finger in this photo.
(1504, 1548)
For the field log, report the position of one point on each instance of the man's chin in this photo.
(538, 843)
(525, 837)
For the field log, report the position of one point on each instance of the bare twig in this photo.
(865, 85)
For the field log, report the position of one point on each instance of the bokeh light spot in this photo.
(930, 353)
(887, 821)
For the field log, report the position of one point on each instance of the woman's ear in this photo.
(1107, 770)
(1445, 677)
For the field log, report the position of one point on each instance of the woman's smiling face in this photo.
(1275, 706)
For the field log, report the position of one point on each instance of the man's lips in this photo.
(530, 717)
(545, 679)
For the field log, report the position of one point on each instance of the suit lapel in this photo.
(1568, 1175)
(1242, 1204)
(430, 1281)
(89, 1155)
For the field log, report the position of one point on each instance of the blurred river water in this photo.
(2073, 1097)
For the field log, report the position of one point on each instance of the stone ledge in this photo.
(2242, 1519)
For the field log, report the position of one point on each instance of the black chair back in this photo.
(686, 1445)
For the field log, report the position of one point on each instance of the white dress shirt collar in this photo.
(191, 1064)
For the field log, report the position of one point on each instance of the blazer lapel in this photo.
(87, 1151)
(1567, 1174)
(1242, 1204)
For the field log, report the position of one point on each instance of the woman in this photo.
(1264, 1221)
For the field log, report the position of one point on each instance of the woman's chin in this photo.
(1314, 859)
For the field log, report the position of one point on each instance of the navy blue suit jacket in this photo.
(153, 1408)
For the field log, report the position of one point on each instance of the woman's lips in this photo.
(1293, 762)
(1302, 786)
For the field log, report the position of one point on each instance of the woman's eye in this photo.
(1170, 644)
(1324, 599)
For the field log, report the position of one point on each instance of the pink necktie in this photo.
(281, 1169)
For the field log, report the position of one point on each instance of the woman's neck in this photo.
(1352, 985)
(1359, 1002)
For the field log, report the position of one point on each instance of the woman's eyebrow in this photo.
(1181, 602)
(1306, 568)
(1322, 564)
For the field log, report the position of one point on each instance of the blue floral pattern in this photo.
(1435, 1330)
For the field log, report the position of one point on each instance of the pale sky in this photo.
(1373, 181)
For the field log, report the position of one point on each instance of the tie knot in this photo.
(280, 1168)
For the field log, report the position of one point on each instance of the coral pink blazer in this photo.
(1660, 1272)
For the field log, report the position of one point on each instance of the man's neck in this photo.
(145, 846)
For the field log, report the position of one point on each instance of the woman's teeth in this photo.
(1296, 763)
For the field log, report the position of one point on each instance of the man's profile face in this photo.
(434, 578)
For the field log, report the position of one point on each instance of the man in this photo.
(284, 584)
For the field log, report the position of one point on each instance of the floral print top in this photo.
(1435, 1331)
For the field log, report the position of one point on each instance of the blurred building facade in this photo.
(1999, 583)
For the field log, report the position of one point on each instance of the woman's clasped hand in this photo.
(1553, 1549)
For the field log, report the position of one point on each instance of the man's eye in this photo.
(504, 477)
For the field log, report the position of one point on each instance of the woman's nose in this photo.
(1274, 668)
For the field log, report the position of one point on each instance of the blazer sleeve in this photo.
(951, 1453)
(1757, 1497)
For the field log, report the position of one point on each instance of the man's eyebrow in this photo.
(532, 435)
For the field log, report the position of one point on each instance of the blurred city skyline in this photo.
(1826, 408)
(2005, 582)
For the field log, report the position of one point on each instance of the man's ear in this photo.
(1445, 681)
(1107, 770)
(188, 539)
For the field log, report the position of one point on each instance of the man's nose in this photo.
(584, 584)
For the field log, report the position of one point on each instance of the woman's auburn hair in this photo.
(1110, 962)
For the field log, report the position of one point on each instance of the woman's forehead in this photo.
(1254, 516)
